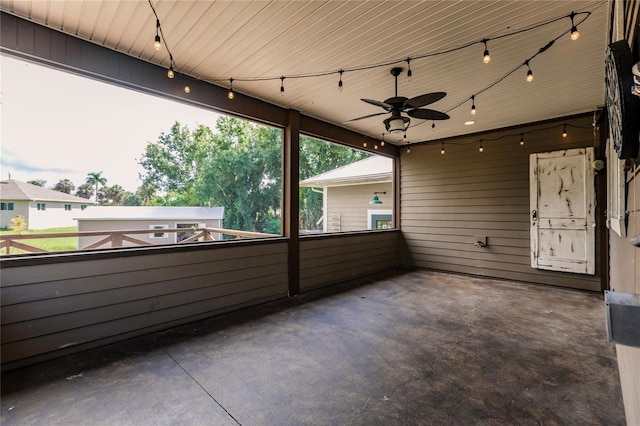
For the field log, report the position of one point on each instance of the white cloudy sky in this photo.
(55, 125)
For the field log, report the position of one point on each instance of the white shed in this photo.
(156, 219)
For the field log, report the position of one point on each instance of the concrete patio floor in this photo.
(416, 348)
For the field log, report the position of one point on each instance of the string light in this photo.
(231, 95)
(375, 147)
(340, 81)
(187, 89)
(574, 29)
(408, 150)
(156, 42)
(364, 144)
(564, 130)
(487, 58)
(529, 72)
(512, 135)
(442, 149)
(473, 105)
(382, 142)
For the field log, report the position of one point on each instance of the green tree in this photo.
(243, 174)
(113, 195)
(64, 185)
(84, 191)
(37, 182)
(131, 200)
(173, 162)
(146, 192)
(95, 179)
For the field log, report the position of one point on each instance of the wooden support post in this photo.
(291, 199)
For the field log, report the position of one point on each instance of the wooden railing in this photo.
(117, 238)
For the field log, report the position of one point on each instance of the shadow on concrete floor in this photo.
(416, 348)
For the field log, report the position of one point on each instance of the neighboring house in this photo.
(348, 192)
(156, 219)
(41, 207)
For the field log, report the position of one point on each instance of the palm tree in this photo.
(96, 178)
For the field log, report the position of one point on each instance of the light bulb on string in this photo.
(481, 149)
(340, 81)
(442, 149)
(473, 105)
(409, 72)
(529, 72)
(382, 142)
(486, 58)
(521, 139)
(364, 144)
(408, 150)
(282, 86)
(564, 130)
(187, 89)
(231, 95)
(375, 147)
(156, 42)
(574, 29)
(170, 72)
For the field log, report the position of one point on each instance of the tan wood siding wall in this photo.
(449, 200)
(326, 260)
(50, 310)
(347, 206)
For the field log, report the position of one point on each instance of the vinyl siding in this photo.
(53, 309)
(449, 200)
(347, 205)
(329, 259)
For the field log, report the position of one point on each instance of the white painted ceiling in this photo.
(219, 40)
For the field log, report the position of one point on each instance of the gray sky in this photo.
(55, 125)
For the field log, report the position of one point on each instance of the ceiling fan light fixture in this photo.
(396, 124)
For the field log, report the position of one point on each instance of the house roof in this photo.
(14, 190)
(370, 170)
(150, 213)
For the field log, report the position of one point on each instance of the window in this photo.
(338, 185)
(159, 234)
(181, 155)
(380, 219)
(67, 207)
(6, 206)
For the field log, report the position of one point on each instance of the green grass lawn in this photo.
(48, 244)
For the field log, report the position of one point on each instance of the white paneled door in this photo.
(562, 217)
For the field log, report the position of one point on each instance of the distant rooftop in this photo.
(14, 190)
(370, 170)
(150, 213)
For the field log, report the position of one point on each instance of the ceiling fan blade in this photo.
(426, 99)
(387, 107)
(427, 114)
(366, 116)
(396, 101)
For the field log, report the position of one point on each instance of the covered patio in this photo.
(411, 348)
